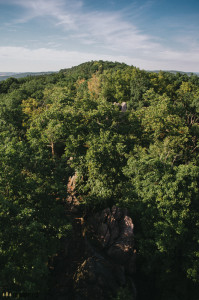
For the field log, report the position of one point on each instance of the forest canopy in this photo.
(145, 158)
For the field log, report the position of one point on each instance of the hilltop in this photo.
(84, 68)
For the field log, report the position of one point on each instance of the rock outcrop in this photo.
(122, 106)
(114, 231)
(99, 258)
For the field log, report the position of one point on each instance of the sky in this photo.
(49, 35)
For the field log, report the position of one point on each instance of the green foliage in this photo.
(145, 159)
(30, 226)
(124, 293)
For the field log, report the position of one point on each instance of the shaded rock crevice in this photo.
(97, 259)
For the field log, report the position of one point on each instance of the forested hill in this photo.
(144, 157)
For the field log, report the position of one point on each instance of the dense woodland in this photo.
(145, 159)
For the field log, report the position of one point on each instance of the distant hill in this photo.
(175, 72)
(6, 75)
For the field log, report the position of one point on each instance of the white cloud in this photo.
(20, 59)
(112, 32)
(44, 59)
(60, 10)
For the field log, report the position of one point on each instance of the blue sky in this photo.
(48, 35)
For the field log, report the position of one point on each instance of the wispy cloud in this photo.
(106, 28)
(51, 8)
(111, 31)
(102, 32)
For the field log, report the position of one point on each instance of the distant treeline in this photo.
(6, 75)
